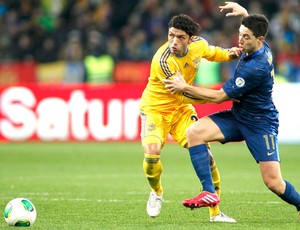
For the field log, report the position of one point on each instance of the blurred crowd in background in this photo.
(91, 34)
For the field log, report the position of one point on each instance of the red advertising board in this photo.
(79, 112)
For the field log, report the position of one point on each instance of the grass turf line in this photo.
(102, 186)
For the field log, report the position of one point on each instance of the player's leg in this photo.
(198, 134)
(264, 148)
(188, 117)
(152, 166)
(214, 211)
(153, 138)
(271, 174)
(215, 173)
(185, 118)
(217, 127)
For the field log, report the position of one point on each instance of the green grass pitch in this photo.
(102, 186)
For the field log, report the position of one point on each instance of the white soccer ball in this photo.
(20, 212)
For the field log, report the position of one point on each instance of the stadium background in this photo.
(53, 53)
(57, 119)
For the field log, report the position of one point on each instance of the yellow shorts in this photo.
(157, 125)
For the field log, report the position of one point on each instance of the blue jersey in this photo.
(252, 85)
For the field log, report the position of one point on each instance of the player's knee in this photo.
(190, 132)
(193, 132)
(152, 148)
(275, 186)
(152, 144)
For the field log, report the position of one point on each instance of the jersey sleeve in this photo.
(215, 53)
(243, 82)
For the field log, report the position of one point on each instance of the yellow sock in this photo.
(153, 168)
(216, 178)
(213, 211)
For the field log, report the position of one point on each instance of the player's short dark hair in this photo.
(257, 23)
(185, 23)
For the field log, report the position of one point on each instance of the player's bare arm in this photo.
(237, 10)
(179, 85)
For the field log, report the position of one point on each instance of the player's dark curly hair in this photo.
(185, 23)
(257, 23)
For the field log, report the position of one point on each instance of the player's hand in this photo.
(237, 10)
(177, 84)
(235, 52)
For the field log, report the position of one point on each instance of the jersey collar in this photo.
(186, 51)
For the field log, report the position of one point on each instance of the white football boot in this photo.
(154, 204)
(221, 217)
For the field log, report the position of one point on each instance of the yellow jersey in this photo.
(164, 65)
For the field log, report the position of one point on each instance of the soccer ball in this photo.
(20, 212)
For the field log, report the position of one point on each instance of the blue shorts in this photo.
(262, 141)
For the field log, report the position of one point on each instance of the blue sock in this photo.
(291, 196)
(201, 160)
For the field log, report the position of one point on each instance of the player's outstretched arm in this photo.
(237, 10)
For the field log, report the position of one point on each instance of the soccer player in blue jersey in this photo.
(253, 117)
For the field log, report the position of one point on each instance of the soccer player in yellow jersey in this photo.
(163, 113)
